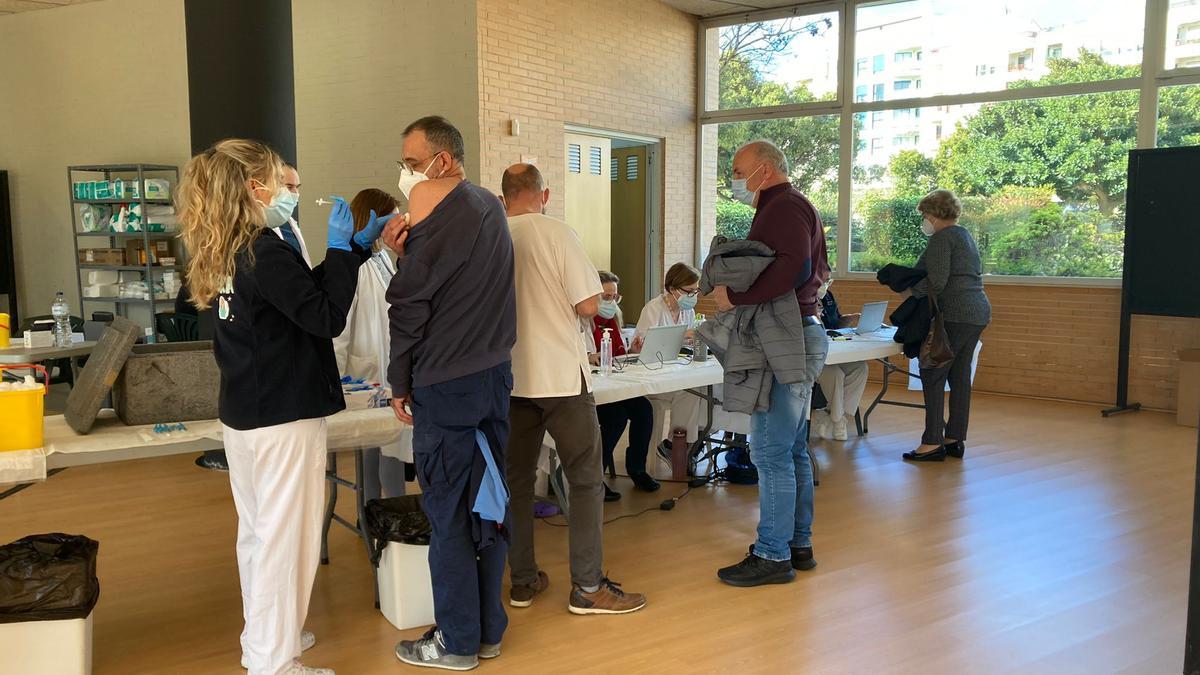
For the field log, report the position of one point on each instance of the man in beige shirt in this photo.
(557, 285)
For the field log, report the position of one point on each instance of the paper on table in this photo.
(22, 466)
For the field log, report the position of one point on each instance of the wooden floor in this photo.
(1060, 545)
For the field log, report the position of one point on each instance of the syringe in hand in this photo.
(321, 201)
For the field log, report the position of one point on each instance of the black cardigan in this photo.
(275, 326)
(913, 316)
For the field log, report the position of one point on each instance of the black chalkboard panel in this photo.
(1162, 232)
(8, 269)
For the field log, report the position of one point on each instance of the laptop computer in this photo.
(662, 345)
(871, 318)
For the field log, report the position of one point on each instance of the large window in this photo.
(777, 62)
(1183, 34)
(1042, 183)
(1026, 109)
(811, 148)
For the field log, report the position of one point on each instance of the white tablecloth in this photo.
(877, 345)
(111, 441)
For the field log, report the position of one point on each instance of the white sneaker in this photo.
(821, 424)
(839, 430)
(307, 640)
(301, 669)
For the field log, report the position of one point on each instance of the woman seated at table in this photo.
(841, 383)
(636, 413)
(675, 306)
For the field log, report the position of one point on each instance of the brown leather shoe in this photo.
(521, 595)
(608, 599)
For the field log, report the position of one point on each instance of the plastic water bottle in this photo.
(606, 353)
(62, 321)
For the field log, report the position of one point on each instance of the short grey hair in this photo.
(766, 151)
(941, 204)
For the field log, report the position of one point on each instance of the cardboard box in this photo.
(101, 256)
(1187, 402)
(159, 248)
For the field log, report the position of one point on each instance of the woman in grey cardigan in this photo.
(955, 279)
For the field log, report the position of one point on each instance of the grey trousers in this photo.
(572, 423)
(963, 337)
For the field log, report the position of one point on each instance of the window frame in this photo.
(1154, 77)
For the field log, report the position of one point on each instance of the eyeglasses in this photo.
(611, 298)
(693, 292)
(407, 169)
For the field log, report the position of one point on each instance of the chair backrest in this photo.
(164, 323)
(177, 327)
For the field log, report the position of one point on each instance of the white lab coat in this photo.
(299, 236)
(364, 347)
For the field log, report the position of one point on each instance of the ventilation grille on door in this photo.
(631, 167)
(595, 158)
(614, 173)
(574, 158)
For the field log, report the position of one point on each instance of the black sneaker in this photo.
(664, 451)
(756, 571)
(213, 460)
(644, 482)
(611, 495)
(802, 558)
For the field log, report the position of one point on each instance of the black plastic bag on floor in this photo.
(398, 519)
(48, 577)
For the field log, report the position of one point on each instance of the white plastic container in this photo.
(47, 647)
(405, 588)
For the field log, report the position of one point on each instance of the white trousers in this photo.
(685, 412)
(278, 479)
(843, 385)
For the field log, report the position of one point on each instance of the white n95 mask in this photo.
(409, 179)
(927, 227)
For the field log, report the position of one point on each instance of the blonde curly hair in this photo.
(218, 212)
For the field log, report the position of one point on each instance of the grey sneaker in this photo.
(307, 640)
(489, 651)
(430, 652)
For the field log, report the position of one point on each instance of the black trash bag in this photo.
(48, 577)
(398, 519)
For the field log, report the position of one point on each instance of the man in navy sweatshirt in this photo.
(453, 326)
(786, 221)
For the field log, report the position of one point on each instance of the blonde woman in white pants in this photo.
(275, 319)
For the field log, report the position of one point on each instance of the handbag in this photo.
(935, 348)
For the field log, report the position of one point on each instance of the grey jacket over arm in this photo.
(754, 343)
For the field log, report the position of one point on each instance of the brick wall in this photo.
(1061, 342)
(622, 65)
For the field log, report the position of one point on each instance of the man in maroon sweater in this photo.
(786, 221)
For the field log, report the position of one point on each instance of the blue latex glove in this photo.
(367, 236)
(341, 225)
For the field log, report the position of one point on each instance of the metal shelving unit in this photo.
(148, 270)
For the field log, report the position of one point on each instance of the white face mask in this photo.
(281, 206)
(408, 179)
(741, 192)
(927, 227)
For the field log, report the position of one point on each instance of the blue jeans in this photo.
(779, 448)
(468, 580)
